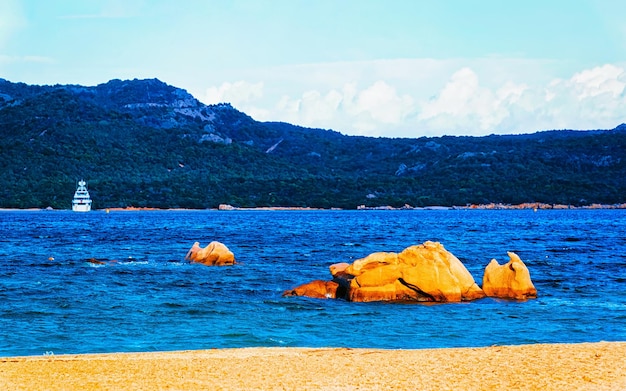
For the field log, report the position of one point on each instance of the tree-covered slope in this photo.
(145, 143)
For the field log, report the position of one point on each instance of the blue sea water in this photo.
(145, 297)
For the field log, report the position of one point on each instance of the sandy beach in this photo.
(586, 366)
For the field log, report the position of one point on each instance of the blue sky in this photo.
(377, 68)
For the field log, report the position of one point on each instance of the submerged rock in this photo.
(214, 254)
(317, 289)
(508, 281)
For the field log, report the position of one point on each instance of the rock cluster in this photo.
(214, 254)
(422, 273)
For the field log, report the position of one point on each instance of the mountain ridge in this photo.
(145, 143)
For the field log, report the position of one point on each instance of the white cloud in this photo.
(312, 108)
(382, 103)
(476, 99)
(599, 80)
(318, 108)
(464, 104)
(236, 93)
(590, 99)
(362, 111)
(455, 98)
(511, 93)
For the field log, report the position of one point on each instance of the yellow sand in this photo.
(587, 366)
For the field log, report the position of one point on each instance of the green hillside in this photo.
(144, 143)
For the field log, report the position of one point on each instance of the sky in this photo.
(391, 68)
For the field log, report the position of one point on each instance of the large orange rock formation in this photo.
(508, 281)
(426, 273)
(214, 254)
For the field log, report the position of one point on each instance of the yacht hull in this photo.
(81, 201)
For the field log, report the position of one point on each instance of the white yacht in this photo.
(81, 201)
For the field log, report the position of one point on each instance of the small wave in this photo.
(131, 263)
(278, 341)
(177, 263)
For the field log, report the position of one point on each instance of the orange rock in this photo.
(473, 292)
(431, 269)
(317, 289)
(508, 281)
(383, 275)
(96, 261)
(427, 272)
(339, 269)
(395, 291)
(214, 254)
(372, 261)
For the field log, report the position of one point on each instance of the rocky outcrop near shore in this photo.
(508, 281)
(214, 254)
(421, 273)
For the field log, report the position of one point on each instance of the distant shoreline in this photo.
(224, 207)
(289, 208)
(499, 206)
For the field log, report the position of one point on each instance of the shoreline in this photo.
(581, 366)
(493, 206)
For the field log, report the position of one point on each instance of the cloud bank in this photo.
(414, 98)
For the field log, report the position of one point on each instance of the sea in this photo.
(102, 282)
